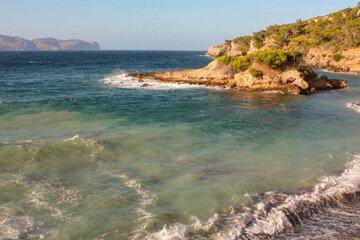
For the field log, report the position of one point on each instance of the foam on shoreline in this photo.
(273, 213)
(122, 80)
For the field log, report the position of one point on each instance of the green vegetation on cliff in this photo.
(238, 63)
(277, 58)
(272, 58)
(339, 31)
(255, 72)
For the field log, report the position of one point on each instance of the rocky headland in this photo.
(329, 42)
(281, 57)
(8, 43)
(251, 75)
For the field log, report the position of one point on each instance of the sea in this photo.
(87, 152)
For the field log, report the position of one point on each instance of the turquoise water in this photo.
(87, 153)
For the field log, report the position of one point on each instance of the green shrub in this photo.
(276, 58)
(243, 44)
(225, 59)
(242, 63)
(259, 38)
(255, 72)
(337, 57)
(306, 71)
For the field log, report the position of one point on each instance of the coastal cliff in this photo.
(8, 43)
(330, 42)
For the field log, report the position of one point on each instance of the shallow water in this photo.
(87, 153)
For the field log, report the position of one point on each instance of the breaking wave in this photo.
(273, 213)
(147, 199)
(354, 105)
(122, 80)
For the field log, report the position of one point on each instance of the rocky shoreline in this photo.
(287, 80)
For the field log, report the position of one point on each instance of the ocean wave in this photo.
(274, 212)
(206, 55)
(354, 105)
(147, 198)
(122, 80)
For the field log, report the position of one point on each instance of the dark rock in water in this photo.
(145, 85)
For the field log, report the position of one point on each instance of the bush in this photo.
(259, 38)
(226, 59)
(337, 57)
(240, 63)
(243, 44)
(255, 72)
(276, 58)
(306, 71)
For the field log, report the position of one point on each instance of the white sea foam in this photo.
(38, 197)
(273, 214)
(147, 198)
(122, 80)
(354, 105)
(13, 226)
(90, 143)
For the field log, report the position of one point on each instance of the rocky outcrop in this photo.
(216, 51)
(8, 43)
(287, 80)
(324, 58)
(230, 48)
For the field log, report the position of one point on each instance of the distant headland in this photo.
(8, 43)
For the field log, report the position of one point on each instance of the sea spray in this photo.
(121, 79)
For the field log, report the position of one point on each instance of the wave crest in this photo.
(122, 80)
(274, 212)
(354, 105)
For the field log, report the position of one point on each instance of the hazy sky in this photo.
(154, 24)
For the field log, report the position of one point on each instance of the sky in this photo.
(154, 24)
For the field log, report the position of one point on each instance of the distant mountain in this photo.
(8, 43)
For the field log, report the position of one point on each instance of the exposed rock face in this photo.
(216, 51)
(323, 58)
(45, 44)
(287, 80)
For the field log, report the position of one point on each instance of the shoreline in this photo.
(345, 73)
(277, 215)
(288, 78)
